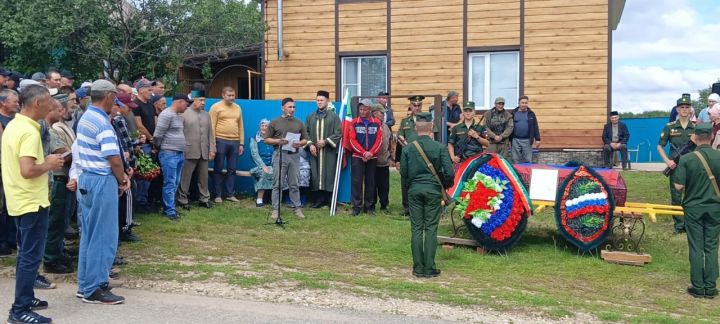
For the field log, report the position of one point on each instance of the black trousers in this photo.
(363, 184)
(608, 152)
(382, 186)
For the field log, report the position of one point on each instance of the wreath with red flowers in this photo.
(584, 209)
(492, 201)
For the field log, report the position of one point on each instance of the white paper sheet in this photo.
(543, 184)
(292, 139)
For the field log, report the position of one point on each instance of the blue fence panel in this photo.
(253, 112)
(644, 136)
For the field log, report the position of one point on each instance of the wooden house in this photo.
(557, 52)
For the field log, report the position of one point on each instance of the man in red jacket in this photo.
(365, 137)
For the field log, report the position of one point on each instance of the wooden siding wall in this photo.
(565, 52)
(426, 50)
(362, 26)
(566, 69)
(309, 46)
(493, 23)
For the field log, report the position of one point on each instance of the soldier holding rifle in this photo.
(677, 133)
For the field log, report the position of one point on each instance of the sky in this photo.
(663, 48)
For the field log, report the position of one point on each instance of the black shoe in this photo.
(319, 204)
(205, 204)
(371, 212)
(119, 261)
(5, 250)
(102, 296)
(28, 317)
(678, 231)
(695, 292)
(36, 304)
(173, 218)
(57, 267)
(71, 233)
(355, 213)
(434, 273)
(406, 212)
(184, 206)
(128, 236)
(42, 283)
(419, 275)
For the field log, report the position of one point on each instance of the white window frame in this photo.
(359, 71)
(488, 101)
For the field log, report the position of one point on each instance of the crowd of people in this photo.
(82, 155)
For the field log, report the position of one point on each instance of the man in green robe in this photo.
(324, 129)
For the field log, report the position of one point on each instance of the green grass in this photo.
(371, 255)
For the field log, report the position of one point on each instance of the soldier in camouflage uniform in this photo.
(499, 124)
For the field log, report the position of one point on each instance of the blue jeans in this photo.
(225, 150)
(32, 229)
(98, 201)
(171, 163)
(142, 186)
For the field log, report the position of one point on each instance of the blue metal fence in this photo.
(644, 135)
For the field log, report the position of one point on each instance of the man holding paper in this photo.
(288, 134)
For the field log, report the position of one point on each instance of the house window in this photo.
(494, 75)
(364, 75)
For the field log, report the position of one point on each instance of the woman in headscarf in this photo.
(714, 113)
(262, 156)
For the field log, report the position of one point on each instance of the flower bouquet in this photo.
(584, 209)
(146, 168)
(492, 200)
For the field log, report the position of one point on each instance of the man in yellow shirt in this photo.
(227, 124)
(25, 179)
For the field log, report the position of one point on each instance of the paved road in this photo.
(151, 307)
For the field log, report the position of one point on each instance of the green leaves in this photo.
(125, 39)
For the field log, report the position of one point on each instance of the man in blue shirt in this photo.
(103, 178)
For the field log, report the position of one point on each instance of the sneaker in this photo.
(233, 199)
(79, 294)
(105, 297)
(259, 205)
(42, 283)
(27, 317)
(218, 200)
(57, 267)
(298, 212)
(38, 304)
(274, 215)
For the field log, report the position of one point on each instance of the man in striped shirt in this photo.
(102, 178)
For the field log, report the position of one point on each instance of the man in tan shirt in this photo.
(227, 124)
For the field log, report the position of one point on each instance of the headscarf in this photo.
(258, 136)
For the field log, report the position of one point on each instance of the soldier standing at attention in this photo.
(466, 137)
(499, 124)
(323, 127)
(407, 134)
(425, 193)
(696, 174)
(678, 134)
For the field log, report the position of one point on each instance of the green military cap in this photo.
(499, 99)
(704, 128)
(423, 117)
(378, 107)
(470, 105)
(683, 101)
(416, 99)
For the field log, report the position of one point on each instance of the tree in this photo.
(123, 39)
(701, 103)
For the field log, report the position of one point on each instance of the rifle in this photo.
(676, 153)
